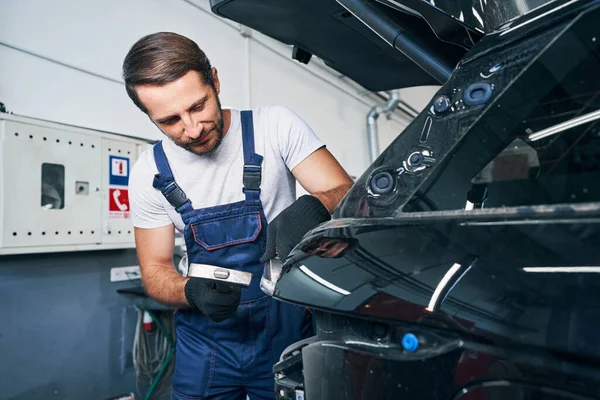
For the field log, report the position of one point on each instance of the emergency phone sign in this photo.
(119, 170)
(118, 200)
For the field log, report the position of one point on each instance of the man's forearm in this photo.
(332, 197)
(165, 285)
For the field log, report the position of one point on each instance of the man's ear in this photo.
(215, 76)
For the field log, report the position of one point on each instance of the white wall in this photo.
(95, 36)
(60, 60)
(338, 119)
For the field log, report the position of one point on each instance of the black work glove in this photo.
(288, 228)
(218, 301)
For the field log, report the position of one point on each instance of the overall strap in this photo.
(165, 182)
(252, 161)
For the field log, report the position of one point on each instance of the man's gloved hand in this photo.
(215, 300)
(288, 228)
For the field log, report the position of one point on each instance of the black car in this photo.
(465, 262)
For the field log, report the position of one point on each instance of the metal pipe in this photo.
(418, 50)
(572, 123)
(404, 107)
(388, 108)
(372, 133)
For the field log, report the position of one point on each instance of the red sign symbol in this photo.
(118, 167)
(118, 200)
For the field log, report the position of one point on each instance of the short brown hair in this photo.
(160, 58)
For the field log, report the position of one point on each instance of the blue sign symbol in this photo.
(118, 170)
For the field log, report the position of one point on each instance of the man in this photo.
(238, 172)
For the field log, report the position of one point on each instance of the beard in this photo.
(215, 131)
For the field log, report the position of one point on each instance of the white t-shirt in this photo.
(280, 136)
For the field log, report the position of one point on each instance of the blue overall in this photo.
(230, 359)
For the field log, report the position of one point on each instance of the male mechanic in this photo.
(220, 176)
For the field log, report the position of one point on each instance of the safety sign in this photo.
(118, 203)
(119, 170)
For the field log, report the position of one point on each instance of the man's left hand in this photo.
(288, 228)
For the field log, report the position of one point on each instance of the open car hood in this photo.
(326, 29)
(382, 44)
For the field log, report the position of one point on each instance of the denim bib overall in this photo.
(232, 358)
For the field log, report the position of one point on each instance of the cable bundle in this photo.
(153, 351)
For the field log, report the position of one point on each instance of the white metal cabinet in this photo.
(58, 186)
(43, 205)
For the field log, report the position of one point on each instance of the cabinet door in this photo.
(51, 187)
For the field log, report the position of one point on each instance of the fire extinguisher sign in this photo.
(119, 170)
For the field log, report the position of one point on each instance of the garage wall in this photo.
(336, 117)
(61, 61)
(66, 332)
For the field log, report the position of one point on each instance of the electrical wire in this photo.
(151, 350)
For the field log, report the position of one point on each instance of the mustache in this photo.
(215, 128)
(203, 134)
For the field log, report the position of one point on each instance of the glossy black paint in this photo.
(468, 288)
(392, 270)
(487, 16)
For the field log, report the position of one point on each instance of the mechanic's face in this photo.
(187, 110)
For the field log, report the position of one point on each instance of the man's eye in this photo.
(198, 108)
(169, 121)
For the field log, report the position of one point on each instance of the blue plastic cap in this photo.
(410, 342)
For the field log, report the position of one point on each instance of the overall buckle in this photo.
(174, 195)
(252, 177)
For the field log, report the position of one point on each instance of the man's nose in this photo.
(191, 128)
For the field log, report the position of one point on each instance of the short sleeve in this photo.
(296, 139)
(147, 209)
